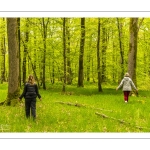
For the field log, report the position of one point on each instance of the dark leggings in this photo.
(126, 95)
(30, 104)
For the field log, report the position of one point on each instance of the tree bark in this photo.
(133, 48)
(64, 54)
(98, 57)
(104, 47)
(69, 70)
(44, 52)
(121, 49)
(81, 54)
(88, 62)
(18, 24)
(13, 51)
(24, 69)
(3, 52)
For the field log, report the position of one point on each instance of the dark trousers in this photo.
(126, 95)
(30, 106)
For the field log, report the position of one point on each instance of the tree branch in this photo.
(140, 25)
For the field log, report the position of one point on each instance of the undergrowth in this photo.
(79, 110)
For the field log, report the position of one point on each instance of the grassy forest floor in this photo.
(79, 110)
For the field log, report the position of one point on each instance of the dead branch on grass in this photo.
(72, 104)
(82, 105)
(121, 121)
(102, 115)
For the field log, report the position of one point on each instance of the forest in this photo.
(88, 56)
(74, 50)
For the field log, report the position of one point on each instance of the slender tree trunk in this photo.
(64, 54)
(69, 71)
(13, 79)
(121, 49)
(133, 48)
(2, 61)
(53, 60)
(53, 69)
(89, 60)
(98, 58)
(92, 69)
(149, 63)
(88, 67)
(114, 61)
(33, 68)
(35, 61)
(81, 54)
(18, 22)
(104, 54)
(3, 52)
(24, 69)
(44, 54)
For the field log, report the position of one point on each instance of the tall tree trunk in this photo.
(13, 51)
(44, 52)
(81, 54)
(121, 48)
(88, 67)
(104, 47)
(93, 69)
(53, 69)
(134, 28)
(35, 61)
(32, 66)
(148, 64)
(3, 52)
(24, 69)
(69, 71)
(133, 48)
(44, 26)
(18, 22)
(89, 59)
(2, 61)
(52, 65)
(98, 58)
(64, 54)
(114, 61)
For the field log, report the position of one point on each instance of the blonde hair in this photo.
(31, 79)
(127, 74)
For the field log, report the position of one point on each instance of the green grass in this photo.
(78, 111)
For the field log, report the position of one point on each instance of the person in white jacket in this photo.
(126, 85)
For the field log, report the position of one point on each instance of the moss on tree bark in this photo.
(12, 98)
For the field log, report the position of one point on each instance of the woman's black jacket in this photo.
(30, 91)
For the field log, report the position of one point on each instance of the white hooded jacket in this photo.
(127, 84)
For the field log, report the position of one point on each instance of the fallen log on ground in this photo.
(121, 121)
(82, 105)
(72, 104)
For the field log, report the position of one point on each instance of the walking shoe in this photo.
(126, 101)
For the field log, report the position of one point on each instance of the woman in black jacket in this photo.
(30, 93)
